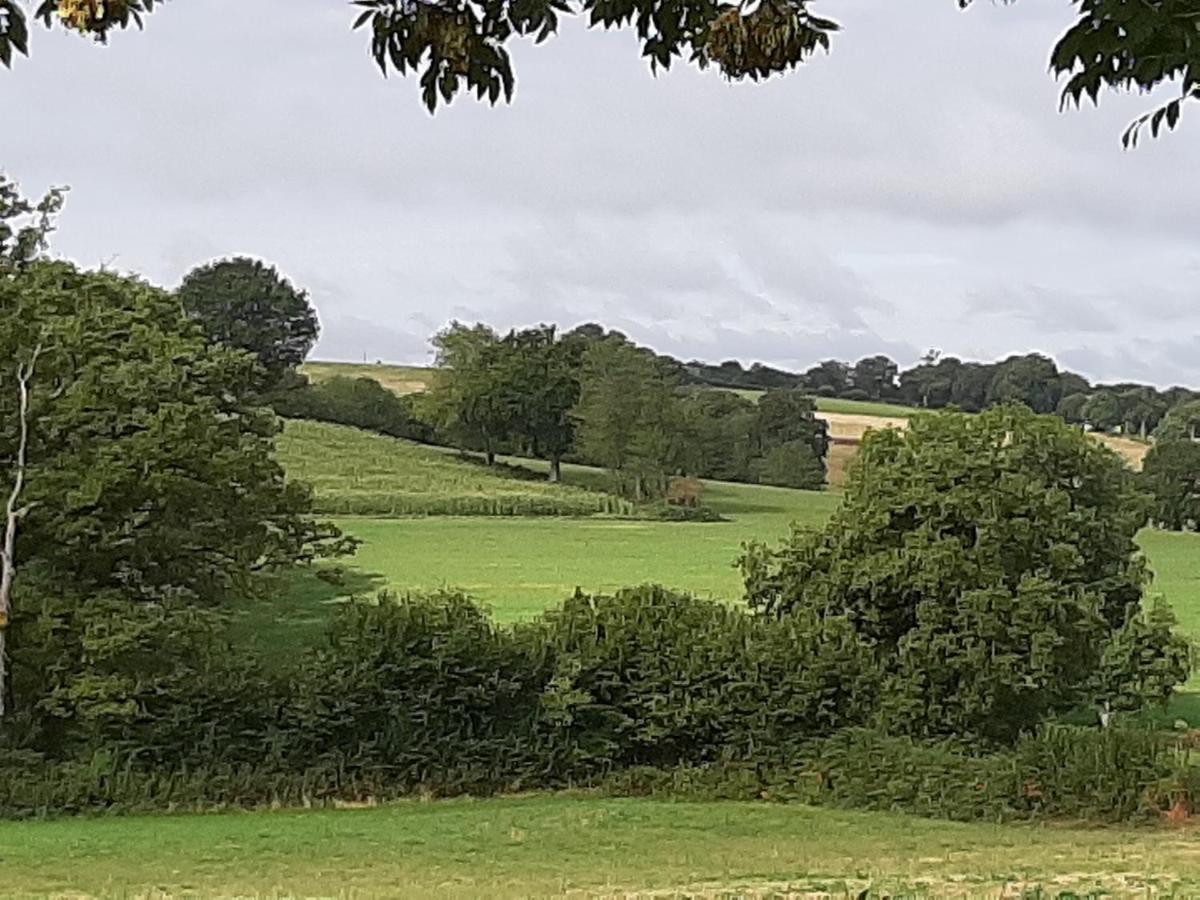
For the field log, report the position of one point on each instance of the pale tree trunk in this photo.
(555, 469)
(12, 515)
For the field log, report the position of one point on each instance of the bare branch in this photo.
(13, 515)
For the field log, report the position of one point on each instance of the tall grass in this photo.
(356, 473)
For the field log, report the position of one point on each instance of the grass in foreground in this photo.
(354, 472)
(582, 846)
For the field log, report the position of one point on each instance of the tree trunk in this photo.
(13, 514)
(555, 469)
(490, 456)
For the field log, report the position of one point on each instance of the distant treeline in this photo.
(592, 395)
(940, 381)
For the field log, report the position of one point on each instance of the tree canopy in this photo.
(247, 305)
(457, 45)
(152, 494)
(991, 560)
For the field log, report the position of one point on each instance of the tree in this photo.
(930, 385)
(876, 375)
(463, 44)
(1182, 422)
(1032, 379)
(1070, 408)
(991, 561)
(149, 484)
(25, 227)
(540, 374)
(360, 402)
(1141, 409)
(13, 513)
(831, 377)
(1171, 475)
(719, 429)
(789, 416)
(247, 305)
(468, 397)
(628, 416)
(1103, 410)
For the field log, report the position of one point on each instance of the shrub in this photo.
(423, 692)
(653, 678)
(1113, 775)
(991, 559)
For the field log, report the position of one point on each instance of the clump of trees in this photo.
(595, 396)
(142, 493)
(990, 561)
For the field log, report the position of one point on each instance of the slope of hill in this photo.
(848, 420)
(399, 379)
(356, 473)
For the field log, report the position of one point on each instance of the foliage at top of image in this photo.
(991, 558)
(457, 45)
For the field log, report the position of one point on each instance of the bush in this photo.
(1114, 775)
(646, 691)
(653, 678)
(424, 692)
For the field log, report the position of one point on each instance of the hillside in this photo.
(848, 420)
(356, 473)
(399, 379)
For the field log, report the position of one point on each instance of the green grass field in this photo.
(354, 472)
(565, 845)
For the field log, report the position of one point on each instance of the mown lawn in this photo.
(583, 846)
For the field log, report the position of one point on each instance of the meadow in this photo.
(579, 845)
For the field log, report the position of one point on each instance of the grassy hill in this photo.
(356, 473)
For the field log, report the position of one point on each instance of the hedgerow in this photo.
(645, 692)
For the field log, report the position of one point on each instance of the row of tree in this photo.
(597, 397)
(940, 381)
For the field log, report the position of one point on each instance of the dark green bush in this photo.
(653, 678)
(426, 692)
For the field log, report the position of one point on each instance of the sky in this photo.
(916, 188)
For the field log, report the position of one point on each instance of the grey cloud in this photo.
(915, 188)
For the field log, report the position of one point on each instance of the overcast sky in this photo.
(916, 188)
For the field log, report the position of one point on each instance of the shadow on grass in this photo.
(284, 626)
